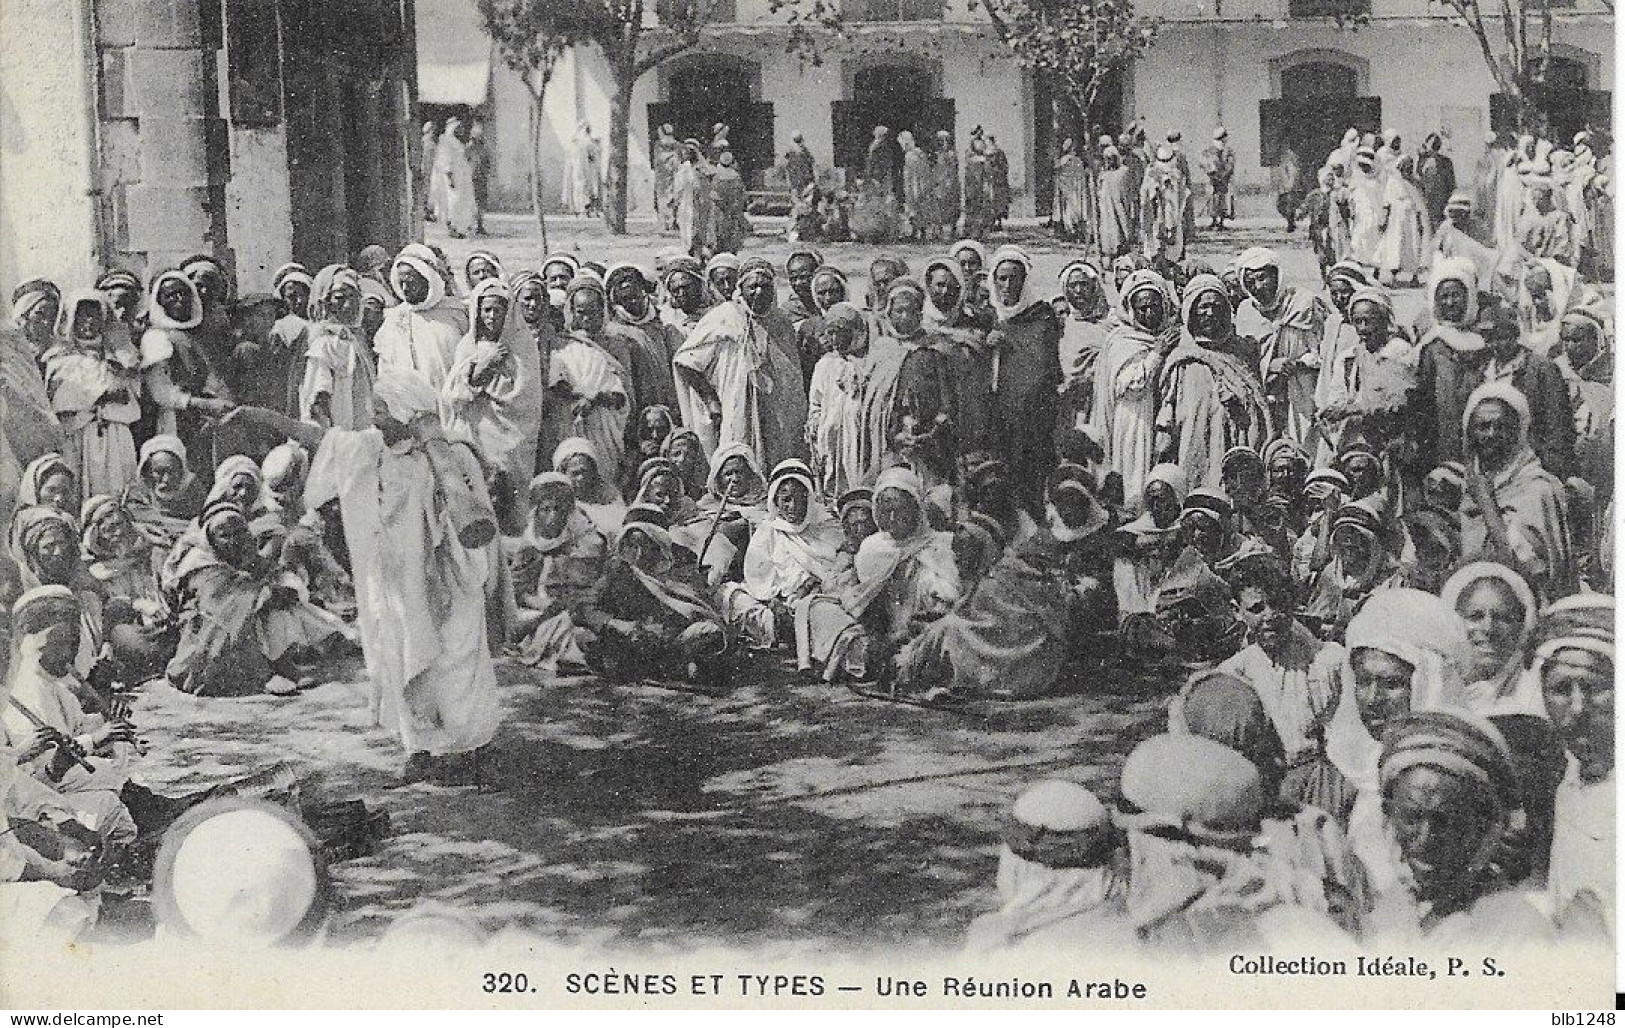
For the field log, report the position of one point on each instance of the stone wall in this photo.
(156, 108)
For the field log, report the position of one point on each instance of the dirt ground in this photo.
(783, 817)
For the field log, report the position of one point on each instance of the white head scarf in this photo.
(155, 311)
(1029, 294)
(410, 258)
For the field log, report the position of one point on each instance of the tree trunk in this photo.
(536, 165)
(620, 129)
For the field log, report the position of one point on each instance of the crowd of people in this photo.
(1133, 195)
(1386, 545)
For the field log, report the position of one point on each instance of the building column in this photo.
(49, 210)
(155, 113)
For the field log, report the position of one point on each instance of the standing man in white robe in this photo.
(739, 376)
(420, 593)
(454, 180)
(1125, 409)
(422, 332)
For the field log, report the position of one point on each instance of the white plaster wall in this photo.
(1428, 74)
(988, 90)
(801, 94)
(259, 218)
(47, 210)
(581, 88)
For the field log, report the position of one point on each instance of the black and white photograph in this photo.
(807, 504)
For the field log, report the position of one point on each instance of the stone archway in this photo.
(1319, 94)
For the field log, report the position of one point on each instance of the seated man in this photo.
(1178, 609)
(1012, 634)
(557, 562)
(905, 578)
(645, 621)
(791, 555)
(1298, 680)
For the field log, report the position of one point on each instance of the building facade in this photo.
(1274, 73)
(138, 132)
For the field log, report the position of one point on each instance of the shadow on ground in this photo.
(784, 816)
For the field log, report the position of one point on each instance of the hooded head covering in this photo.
(1502, 689)
(68, 313)
(480, 255)
(1193, 786)
(1195, 289)
(548, 260)
(1373, 294)
(37, 472)
(1258, 258)
(583, 282)
(1460, 744)
(721, 261)
(935, 317)
(293, 271)
(1350, 271)
(1506, 393)
(169, 444)
(489, 287)
(1458, 335)
(1422, 630)
(1584, 621)
(412, 256)
(576, 446)
(1284, 450)
(203, 264)
(27, 526)
(777, 546)
(327, 281)
(1141, 279)
(726, 453)
(827, 271)
(1174, 477)
(235, 872)
(155, 310)
(1029, 293)
(881, 553)
(1088, 270)
(30, 295)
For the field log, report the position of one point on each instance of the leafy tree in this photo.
(634, 45)
(532, 36)
(1521, 57)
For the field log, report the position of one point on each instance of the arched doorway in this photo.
(707, 88)
(901, 95)
(1317, 99)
